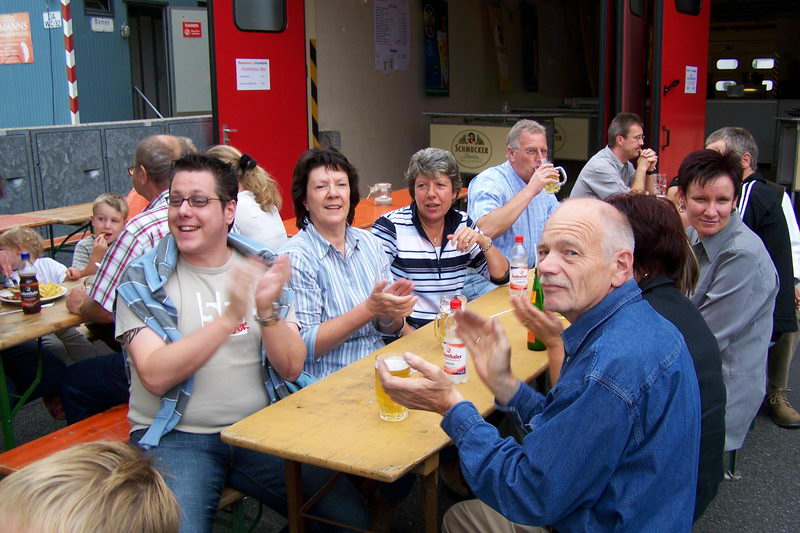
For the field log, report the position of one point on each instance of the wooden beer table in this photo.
(16, 328)
(71, 215)
(367, 212)
(334, 423)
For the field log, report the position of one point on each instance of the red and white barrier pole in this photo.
(69, 50)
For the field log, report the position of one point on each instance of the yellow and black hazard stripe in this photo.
(312, 52)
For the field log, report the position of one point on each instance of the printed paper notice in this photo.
(16, 45)
(252, 74)
(392, 35)
(690, 87)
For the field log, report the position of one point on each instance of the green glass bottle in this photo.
(537, 299)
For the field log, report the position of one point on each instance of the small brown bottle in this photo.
(29, 287)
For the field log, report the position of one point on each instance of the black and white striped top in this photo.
(435, 271)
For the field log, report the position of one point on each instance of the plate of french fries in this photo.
(47, 291)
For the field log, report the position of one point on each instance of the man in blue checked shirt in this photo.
(614, 445)
(509, 199)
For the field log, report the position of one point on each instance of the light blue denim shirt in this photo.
(493, 188)
(613, 446)
(327, 284)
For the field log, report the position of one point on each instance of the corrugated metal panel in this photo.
(120, 144)
(16, 173)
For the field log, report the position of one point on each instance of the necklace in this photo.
(428, 232)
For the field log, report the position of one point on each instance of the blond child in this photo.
(108, 218)
(68, 344)
(102, 487)
(18, 240)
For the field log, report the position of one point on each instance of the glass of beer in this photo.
(444, 310)
(389, 409)
(553, 188)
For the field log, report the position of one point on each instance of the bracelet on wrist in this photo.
(271, 320)
(382, 325)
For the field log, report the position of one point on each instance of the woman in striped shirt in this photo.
(344, 296)
(432, 244)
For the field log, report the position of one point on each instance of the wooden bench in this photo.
(63, 240)
(59, 243)
(109, 425)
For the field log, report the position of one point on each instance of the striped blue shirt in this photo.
(493, 188)
(434, 271)
(327, 284)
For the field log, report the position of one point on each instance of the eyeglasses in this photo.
(533, 151)
(194, 201)
(638, 138)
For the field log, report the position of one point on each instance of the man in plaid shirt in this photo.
(101, 382)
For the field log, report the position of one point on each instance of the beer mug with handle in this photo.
(553, 188)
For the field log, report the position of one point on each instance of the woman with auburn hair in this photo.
(344, 293)
(737, 286)
(258, 201)
(666, 270)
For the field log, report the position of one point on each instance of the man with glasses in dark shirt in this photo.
(610, 171)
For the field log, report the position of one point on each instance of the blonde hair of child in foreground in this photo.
(102, 487)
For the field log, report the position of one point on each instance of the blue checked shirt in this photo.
(327, 285)
(493, 188)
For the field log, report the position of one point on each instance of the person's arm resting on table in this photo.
(80, 303)
(645, 164)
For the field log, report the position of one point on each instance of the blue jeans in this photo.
(476, 285)
(93, 385)
(197, 467)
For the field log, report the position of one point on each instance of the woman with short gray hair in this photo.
(430, 242)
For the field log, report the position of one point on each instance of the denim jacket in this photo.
(613, 446)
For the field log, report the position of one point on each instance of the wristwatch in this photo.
(654, 171)
(271, 320)
(484, 250)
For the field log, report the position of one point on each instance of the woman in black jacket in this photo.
(666, 270)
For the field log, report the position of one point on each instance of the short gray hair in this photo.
(156, 154)
(739, 141)
(430, 161)
(617, 232)
(524, 125)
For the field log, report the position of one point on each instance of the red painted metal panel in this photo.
(634, 60)
(681, 115)
(271, 125)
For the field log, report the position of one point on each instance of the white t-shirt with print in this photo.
(229, 386)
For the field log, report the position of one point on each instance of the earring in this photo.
(681, 208)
